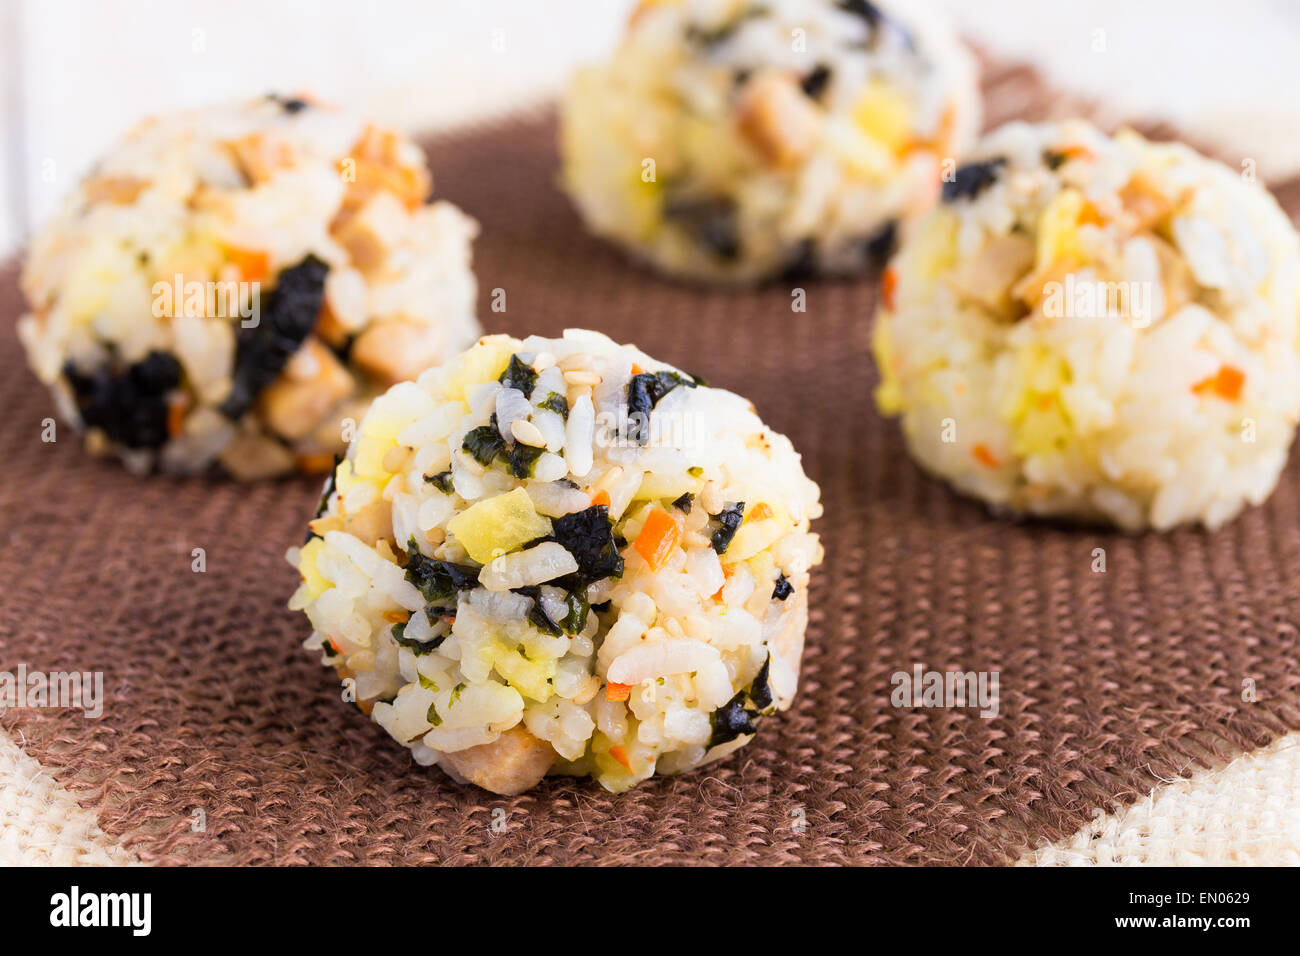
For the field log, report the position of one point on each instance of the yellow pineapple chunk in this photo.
(496, 526)
(885, 115)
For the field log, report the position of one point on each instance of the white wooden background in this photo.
(74, 73)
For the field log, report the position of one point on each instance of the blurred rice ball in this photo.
(230, 285)
(736, 141)
(1096, 328)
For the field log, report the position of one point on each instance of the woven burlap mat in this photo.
(222, 741)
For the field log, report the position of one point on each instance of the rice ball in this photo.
(230, 285)
(1096, 328)
(735, 141)
(559, 555)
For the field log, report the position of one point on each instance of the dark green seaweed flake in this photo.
(644, 392)
(729, 523)
(442, 481)
(438, 580)
(739, 716)
(128, 404)
(536, 614)
(973, 178)
(486, 446)
(555, 402)
(418, 648)
(519, 375)
(484, 443)
(783, 588)
(521, 459)
(576, 618)
(329, 488)
(288, 315)
(815, 82)
(760, 690)
(732, 720)
(713, 222)
(589, 536)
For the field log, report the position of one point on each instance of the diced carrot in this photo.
(658, 539)
(619, 754)
(314, 464)
(601, 498)
(614, 691)
(176, 417)
(251, 263)
(888, 286)
(1226, 383)
(330, 641)
(397, 617)
(984, 456)
(760, 512)
(1078, 151)
(727, 572)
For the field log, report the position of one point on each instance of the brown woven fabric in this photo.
(1108, 681)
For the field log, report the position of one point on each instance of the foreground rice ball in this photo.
(559, 555)
(1095, 328)
(228, 285)
(730, 140)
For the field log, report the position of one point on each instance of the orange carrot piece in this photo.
(251, 263)
(888, 286)
(1226, 383)
(176, 417)
(658, 539)
(314, 464)
(985, 457)
(601, 498)
(760, 512)
(727, 572)
(619, 754)
(616, 691)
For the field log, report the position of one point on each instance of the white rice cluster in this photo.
(559, 555)
(1097, 328)
(737, 140)
(142, 289)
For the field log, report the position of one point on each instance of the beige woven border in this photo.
(42, 824)
(1246, 813)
